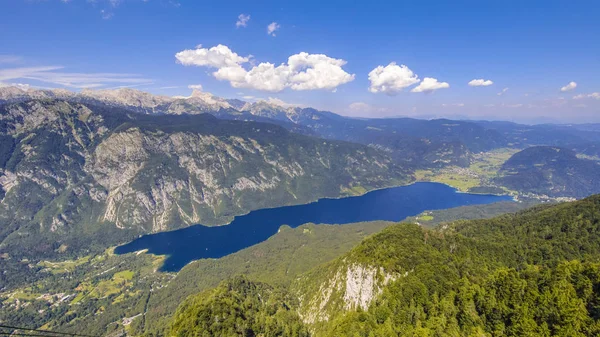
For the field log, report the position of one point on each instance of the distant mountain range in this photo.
(551, 170)
(112, 164)
(414, 142)
(81, 176)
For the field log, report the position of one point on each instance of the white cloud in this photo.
(430, 84)
(279, 102)
(503, 92)
(359, 107)
(21, 86)
(242, 20)
(264, 77)
(391, 79)
(272, 28)
(75, 80)
(195, 87)
(19, 73)
(480, 83)
(569, 87)
(595, 95)
(317, 71)
(217, 57)
(302, 71)
(106, 14)
(453, 104)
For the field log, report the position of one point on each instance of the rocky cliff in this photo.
(71, 171)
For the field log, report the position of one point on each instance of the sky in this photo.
(526, 61)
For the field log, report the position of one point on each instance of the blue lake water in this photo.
(393, 204)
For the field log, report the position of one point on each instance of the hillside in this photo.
(107, 292)
(552, 171)
(239, 307)
(78, 177)
(532, 273)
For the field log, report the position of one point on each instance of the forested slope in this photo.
(534, 273)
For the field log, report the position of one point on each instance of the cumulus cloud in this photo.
(219, 56)
(595, 95)
(480, 83)
(195, 87)
(302, 71)
(391, 79)
(242, 20)
(272, 28)
(503, 92)
(317, 71)
(569, 87)
(430, 84)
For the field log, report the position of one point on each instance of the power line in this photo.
(39, 330)
(23, 334)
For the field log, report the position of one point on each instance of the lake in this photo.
(393, 204)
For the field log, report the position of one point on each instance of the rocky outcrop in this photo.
(352, 286)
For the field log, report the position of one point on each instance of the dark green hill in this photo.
(552, 171)
(239, 307)
(455, 280)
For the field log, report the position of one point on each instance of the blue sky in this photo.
(533, 48)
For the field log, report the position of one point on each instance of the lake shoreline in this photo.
(385, 204)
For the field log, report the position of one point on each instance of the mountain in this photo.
(588, 149)
(418, 143)
(552, 171)
(533, 273)
(80, 177)
(523, 136)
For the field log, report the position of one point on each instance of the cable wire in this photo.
(40, 330)
(24, 334)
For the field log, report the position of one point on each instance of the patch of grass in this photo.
(355, 190)
(125, 275)
(64, 266)
(25, 295)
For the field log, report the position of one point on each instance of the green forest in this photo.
(533, 273)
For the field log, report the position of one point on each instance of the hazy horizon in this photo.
(521, 62)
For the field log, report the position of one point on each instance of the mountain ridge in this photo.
(78, 169)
